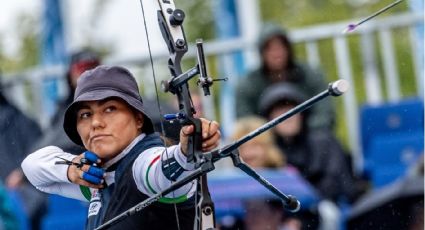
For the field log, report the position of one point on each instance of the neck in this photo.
(124, 152)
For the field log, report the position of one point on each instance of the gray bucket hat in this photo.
(100, 83)
(278, 93)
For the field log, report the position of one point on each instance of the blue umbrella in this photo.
(230, 187)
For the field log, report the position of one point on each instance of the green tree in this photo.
(27, 39)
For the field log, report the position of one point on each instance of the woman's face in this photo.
(260, 216)
(253, 153)
(275, 55)
(106, 127)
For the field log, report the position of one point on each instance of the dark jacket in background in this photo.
(17, 134)
(320, 158)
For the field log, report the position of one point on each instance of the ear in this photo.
(139, 120)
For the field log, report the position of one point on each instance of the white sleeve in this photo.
(40, 169)
(150, 177)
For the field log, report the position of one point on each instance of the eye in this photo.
(110, 108)
(84, 115)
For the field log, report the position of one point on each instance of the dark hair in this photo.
(287, 44)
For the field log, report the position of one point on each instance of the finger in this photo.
(91, 170)
(91, 157)
(85, 168)
(212, 142)
(209, 148)
(97, 172)
(92, 179)
(209, 128)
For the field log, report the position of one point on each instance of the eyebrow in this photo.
(84, 105)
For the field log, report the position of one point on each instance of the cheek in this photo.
(83, 131)
(127, 130)
(252, 151)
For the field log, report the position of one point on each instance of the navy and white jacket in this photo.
(141, 170)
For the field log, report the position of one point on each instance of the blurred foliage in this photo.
(28, 53)
(293, 14)
(28, 37)
(199, 21)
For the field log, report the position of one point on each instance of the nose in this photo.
(97, 121)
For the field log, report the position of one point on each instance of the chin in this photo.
(105, 152)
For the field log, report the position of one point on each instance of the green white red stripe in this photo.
(167, 200)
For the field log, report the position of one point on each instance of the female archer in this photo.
(127, 161)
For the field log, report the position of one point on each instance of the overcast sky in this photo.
(120, 26)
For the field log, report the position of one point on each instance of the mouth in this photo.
(98, 137)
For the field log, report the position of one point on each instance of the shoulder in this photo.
(255, 78)
(18, 123)
(255, 74)
(321, 137)
(308, 70)
(325, 141)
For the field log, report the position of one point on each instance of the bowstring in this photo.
(158, 105)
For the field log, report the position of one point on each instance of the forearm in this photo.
(42, 172)
(153, 171)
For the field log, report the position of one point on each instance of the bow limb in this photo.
(176, 58)
(170, 22)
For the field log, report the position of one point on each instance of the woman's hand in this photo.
(210, 135)
(87, 175)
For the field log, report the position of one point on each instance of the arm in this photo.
(40, 169)
(150, 175)
(156, 168)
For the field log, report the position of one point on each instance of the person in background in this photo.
(18, 133)
(128, 160)
(8, 218)
(317, 154)
(80, 61)
(260, 152)
(278, 64)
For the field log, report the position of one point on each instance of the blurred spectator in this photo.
(8, 219)
(54, 135)
(278, 64)
(267, 215)
(317, 154)
(18, 133)
(259, 152)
